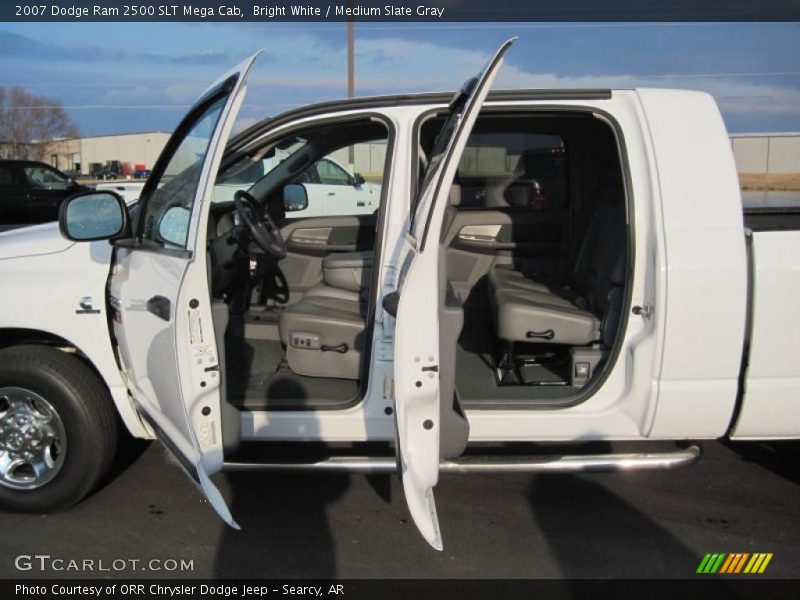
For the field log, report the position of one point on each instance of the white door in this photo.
(416, 335)
(160, 297)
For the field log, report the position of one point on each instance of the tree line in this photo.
(29, 121)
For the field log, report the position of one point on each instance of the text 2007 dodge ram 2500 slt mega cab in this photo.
(543, 266)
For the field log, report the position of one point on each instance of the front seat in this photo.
(324, 336)
(324, 332)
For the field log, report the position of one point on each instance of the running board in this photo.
(576, 463)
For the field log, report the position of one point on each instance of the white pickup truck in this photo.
(330, 190)
(544, 266)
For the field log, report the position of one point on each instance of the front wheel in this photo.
(58, 429)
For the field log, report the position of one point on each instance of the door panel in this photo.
(423, 320)
(160, 297)
(308, 242)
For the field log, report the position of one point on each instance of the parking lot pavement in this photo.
(738, 498)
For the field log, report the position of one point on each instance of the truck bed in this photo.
(769, 398)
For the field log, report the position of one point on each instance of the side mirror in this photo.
(358, 179)
(295, 197)
(174, 225)
(92, 215)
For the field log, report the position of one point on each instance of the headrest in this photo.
(455, 194)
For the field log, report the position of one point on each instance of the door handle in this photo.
(159, 306)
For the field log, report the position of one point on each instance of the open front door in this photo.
(417, 325)
(159, 294)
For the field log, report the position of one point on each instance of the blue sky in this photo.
(118, 77)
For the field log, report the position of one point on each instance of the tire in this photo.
(73, 402)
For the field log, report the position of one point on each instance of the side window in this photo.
(332, 174)
(345, 180)
(169, 204)
(45, 178)
(358, 188)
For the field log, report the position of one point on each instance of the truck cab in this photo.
(539, 267)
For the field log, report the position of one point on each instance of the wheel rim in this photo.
(33, 440)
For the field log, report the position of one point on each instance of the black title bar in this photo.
(400, 10)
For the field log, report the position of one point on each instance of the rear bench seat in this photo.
(581, 313)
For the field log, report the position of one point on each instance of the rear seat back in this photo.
(588, 311)
(601, 264)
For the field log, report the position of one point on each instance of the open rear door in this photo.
(159, 295)
(416, 336)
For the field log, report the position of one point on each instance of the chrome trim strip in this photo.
(368, 465)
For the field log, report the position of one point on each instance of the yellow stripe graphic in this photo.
(765, 563)
(753, 564)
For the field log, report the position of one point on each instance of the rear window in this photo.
(521, 170)
(508, 164)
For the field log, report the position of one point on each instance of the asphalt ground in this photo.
(737, 498)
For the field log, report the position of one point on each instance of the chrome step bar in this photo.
(575, 463)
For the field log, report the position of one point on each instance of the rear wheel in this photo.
(58, 429)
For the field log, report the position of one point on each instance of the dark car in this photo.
(105, 174)
(141, 174)
(31, 192)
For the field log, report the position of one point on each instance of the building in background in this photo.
(762, 159)
(766, 152)
(368, 160)
(767, 161)
(86, 155)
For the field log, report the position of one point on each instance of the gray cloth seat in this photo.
(505, 277)
(543, 317)
(324, 336)
(527, 310)
(322, 290)
(324, 332)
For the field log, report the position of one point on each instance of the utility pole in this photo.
(351, 79)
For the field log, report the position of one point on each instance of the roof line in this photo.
(254, 131)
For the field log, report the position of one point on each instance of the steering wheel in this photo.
(263, 230)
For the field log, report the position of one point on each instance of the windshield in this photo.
(249, 170)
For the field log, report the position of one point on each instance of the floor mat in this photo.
(258, 378)
(475, 377)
